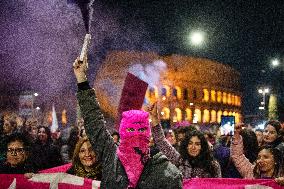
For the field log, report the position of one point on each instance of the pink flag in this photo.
(132, 96)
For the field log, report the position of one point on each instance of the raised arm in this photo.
(241, 162)
(94, 121)
(159, 138)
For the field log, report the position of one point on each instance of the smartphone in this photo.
(227, 125)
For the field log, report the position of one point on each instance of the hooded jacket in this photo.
(158, 172)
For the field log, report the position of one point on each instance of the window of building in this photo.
(225, 113)
(165, 113)
(164, 91)
(194, 94)
(224, 99)
(185, 94)
(219, 96)
(205, 95)
(206, 116)
(188, 114)
(233, 100)
(197, 116)
(213, 95)
(178, 114)
(229, 98)
(219, 114)
(237, 117)
(175, 92)
(213, 116)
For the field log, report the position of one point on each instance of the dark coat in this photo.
(21, 169)
(158, 171)
(44, 156)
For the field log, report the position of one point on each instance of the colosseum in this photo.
(189, 89)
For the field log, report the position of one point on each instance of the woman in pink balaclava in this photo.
(130, 164)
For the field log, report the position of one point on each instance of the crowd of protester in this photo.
(27, 146)
(188, 151)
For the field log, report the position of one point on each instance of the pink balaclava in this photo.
(134, 150)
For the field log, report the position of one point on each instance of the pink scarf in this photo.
(134, 150)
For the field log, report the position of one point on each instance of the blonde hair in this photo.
(96, 169)
(75, 158)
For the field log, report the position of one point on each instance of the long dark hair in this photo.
(47, 131)
(250, 144)
(278, 170)
(205, 159)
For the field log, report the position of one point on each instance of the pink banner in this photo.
(228, 183)
(66, 181)
(47, 181)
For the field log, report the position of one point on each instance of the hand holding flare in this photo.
(80, 69)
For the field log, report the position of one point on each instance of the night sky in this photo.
(41, 38)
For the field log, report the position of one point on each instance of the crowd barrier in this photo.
(67, 181)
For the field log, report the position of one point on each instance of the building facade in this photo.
(190, 89)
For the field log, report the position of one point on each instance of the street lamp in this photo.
(275, 62)
(263, 91)
(197, 38)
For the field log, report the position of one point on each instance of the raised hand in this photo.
(238, 128)
(80, 69)
(154, 116)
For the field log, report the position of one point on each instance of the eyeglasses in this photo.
(16, 150)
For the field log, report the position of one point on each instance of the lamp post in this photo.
(263, 91)
(278, 78)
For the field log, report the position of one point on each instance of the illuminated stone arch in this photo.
(185, 94)
(237, 117)
(178, 114)
(233, 100)
(205, 95)
(219, 96)
(219, 114)
(165, 113)
(239, 101)
(213, 95)
(225, 113)
(213, 116)
(152, 94)
(224, 98)
(197, 115)
(229, 100)
(206, 116)
(177, 92)
(188, 114)
(165, 91)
